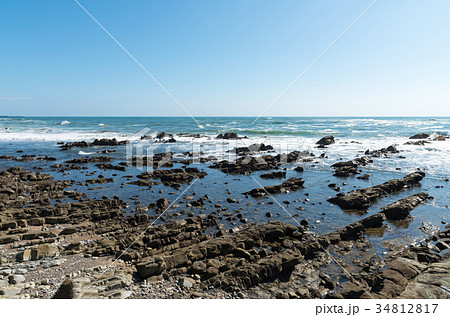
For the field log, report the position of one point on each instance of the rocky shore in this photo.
(56, 242)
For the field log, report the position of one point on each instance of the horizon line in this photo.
(162, 116)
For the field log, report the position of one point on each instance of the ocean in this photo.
(284, 133)
(40, 135)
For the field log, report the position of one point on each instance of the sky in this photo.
(225, 58)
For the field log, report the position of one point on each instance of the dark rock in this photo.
(228, 136)
(400, 209)
(407, 270)
(65, 290)
(292, 184)
(299, 169)
(162, 204)
(348, 168)
(326, 140)
(272, 175)
(109, 166)
(362, 198)
(248, 164)
(419, 136)
(84, 160)
(253, 148)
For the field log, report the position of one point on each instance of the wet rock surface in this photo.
(349, 168)
(249, 164)
(292, 184)
(253, 148)
(326, 140)
(400, 210)
(96, 142)
(362, 198)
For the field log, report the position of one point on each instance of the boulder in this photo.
(44, 251)
(407, 270)
(326, 140)
(186, 282)
(419, 136)
(162, 204)
(151, 266)
(65, 290)
(24, 256)
(16, 279)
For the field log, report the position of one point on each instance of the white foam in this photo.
(49, 135)
(65, 122)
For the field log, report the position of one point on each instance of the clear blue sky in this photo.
(225, 58)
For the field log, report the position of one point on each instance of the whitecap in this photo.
(200, 126)
(85, 153)
(65, 122)
(101, 124)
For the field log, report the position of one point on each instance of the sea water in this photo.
(40, 135)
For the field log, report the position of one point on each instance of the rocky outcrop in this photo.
(85, 160)
(255, 273)
(348, 168)
(292, 184)
(43, 224)
(419, 136)
(97, 142)
(249, 164)
(432, 283)
(420, 142)
(228, 136)
(27, 158)
(384, 152)
(173, 177)
(272, 175)
(326, 140)
(253, 148)
(353, 231)
(362, 198)
(156, 161)
(111, 283)
(440, 138)
(240, 243)
(109, 166)
(401, 209)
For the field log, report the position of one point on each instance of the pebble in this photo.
(5, 271)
